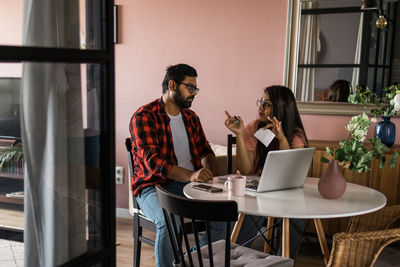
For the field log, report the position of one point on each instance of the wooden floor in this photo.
(309, 256)
(125, 245)
(11, 218)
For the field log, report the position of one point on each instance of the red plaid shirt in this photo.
(152, 146)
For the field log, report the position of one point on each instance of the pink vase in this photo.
(332, 184)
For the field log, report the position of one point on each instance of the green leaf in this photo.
(393, 160)
(329, 151)
(382, 162)
(324, 160)
(9, 156)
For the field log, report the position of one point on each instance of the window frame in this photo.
(106, 255)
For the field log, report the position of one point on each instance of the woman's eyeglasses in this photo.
(265, 104)
(191, 87)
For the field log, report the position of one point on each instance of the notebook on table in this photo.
(284, 169)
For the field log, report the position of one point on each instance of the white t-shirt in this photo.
(181, 142)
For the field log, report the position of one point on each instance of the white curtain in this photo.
(309, 48)
(52, 136)
(357, 57)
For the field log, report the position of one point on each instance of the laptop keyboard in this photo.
(252, 186)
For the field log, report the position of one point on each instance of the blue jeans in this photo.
(148, 203)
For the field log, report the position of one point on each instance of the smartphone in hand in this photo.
(207, 188)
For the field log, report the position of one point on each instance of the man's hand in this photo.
(203, 175)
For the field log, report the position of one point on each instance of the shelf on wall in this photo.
(11, 200)
(11, 175)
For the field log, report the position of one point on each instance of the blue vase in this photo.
(386, 131)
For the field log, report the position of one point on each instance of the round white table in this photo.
(300, 203)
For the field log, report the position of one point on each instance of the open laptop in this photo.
(284, 169)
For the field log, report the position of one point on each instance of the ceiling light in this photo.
(381, 22)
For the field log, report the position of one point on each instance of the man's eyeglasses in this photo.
(265, 104)
(191, 87)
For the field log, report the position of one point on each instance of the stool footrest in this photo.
(146, 240)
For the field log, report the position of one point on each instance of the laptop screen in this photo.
(284, 169)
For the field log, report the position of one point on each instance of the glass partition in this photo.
(87, 29)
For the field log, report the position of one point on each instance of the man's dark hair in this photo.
(177, 73)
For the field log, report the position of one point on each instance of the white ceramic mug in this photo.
(236, 184)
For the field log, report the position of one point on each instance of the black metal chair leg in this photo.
(137, 244)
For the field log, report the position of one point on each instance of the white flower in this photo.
(364, 117)
(373, 119)
(359, 133)
(396, 101)
(358, 126)
(351, 127)
(397, 107)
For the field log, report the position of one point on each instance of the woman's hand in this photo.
(276, 128)
(235, 124)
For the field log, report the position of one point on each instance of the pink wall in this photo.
(237, 47)
(331, 128)
(11, 33)
(11, 14)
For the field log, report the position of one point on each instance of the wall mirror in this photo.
(349, 40)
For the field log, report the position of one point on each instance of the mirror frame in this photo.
(290, 74)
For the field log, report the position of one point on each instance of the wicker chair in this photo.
(365, 239)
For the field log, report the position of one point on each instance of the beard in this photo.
(182, 102)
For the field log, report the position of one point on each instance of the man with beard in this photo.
(169, 149)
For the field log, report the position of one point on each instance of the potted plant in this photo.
(355, 153)
(10, 158)
(386, 106)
